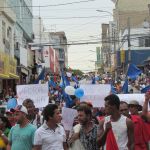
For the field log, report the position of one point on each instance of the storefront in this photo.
(8, 74)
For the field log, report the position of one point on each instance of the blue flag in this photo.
(40, 77)
(125, 87)
(133, 71)
(113, 90)
(93, 80)
(144, 90)
(75, 79)
(68, 99)
(52, 83)
(64, 80)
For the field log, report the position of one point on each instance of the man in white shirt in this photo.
(51, 135)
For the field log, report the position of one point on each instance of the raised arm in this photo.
(145, 114)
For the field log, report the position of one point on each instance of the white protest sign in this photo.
(37, 92)
(68, 116)
(129, 97)
(95, 93)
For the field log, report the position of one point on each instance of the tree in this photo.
(77, 72)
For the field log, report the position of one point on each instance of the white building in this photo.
(139, 39)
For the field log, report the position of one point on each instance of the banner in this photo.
(129, 97)
(68, 116)
(96, 93)
(37, 92)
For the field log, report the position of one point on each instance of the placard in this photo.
(68, 116)
(95, 93)
(129, 97)
(36, 92)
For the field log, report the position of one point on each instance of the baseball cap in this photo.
(135, 103)
(21, 108)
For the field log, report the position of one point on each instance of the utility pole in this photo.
(129, 43)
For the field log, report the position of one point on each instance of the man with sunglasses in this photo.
(22, 134)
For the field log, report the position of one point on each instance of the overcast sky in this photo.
(66, 18)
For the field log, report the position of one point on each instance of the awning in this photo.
(14, 76)
(3, 76)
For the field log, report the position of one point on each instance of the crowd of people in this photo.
(119, 126)
(116, 126)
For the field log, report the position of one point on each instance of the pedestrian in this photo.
(33, 113)
(51, 135)
(21, 136)
(89, 131)
(116, 130)
(5, 127)
(141, 122)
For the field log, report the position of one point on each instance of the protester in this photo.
(140, 120)
(22, 134)
(5, 127)
(116, 131)
(51, 135)
(88, 133)
(33, 113)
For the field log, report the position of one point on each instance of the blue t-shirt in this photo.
(22, 138)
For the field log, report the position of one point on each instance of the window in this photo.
(147, 42)
(9, 33)
(3, 30)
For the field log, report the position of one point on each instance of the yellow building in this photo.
(8, 64)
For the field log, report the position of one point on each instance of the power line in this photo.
(75, 17)
(54, 5)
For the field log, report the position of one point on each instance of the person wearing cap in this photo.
(140, 120)
(21, 136)
(33, 113)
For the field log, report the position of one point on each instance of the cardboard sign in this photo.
(95, 93)
(129, 97)
(36, 92)
(68, 116)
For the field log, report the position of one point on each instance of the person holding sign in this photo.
(51, 135)
(116, 130)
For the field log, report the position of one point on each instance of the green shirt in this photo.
(22, 138)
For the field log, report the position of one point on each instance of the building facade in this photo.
(22, 36)
(8, 63)
(59, 42)
(137, 11)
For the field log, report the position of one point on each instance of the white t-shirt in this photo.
(50, 139)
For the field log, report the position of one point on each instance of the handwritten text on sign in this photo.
(68, 116)
(37, 92)
(95, 93)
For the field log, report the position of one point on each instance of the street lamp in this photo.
(105, 11)
(92, 51)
